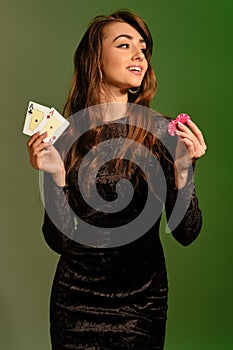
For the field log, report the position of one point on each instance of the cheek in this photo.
(107, 62)
(146, 68)
(112, 63)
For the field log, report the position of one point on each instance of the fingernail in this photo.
(180, 124)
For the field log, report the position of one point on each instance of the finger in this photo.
(190, 147)
(37, 154)
(188, 135)
(36, 139)
(197, 132)
(184, 128)
(194, 149)
(47, 145)
(195, 136)
(36, 136)
(43, 146)
(36, 161)
(32, 139)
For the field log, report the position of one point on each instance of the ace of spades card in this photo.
(35, 114)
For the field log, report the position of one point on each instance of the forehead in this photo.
(112, 30)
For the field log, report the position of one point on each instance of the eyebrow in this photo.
(128, 37)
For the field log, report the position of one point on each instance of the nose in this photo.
(138, 54)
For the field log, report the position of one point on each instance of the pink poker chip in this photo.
(172, 126)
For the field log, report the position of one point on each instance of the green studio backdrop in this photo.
(192, 60)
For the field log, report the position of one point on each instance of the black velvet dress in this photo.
(112, 298)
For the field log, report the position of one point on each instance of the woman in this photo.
(114, 296)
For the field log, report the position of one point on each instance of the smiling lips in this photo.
(135, 69)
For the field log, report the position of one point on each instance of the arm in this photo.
(58, 226)
(190, 222)
(186, 220)
(58, 220)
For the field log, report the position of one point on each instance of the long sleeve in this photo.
(181, 206)
(188, 213)
(58, 226)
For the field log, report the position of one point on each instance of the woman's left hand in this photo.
(191, 137)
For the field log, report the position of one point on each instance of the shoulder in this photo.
(160, 123)
(159, 126)
(164, 142)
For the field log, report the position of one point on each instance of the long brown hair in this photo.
(87, 81)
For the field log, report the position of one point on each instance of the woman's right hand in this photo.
(44, 156)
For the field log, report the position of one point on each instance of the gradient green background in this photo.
(192, 60)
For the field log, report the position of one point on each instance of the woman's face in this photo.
(123, 57)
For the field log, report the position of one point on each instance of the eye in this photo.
(124, 46)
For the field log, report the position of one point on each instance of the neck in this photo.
(117, 101)
(114, 110)
(114, 94)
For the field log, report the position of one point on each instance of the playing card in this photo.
(35, 114)
(54, 123)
